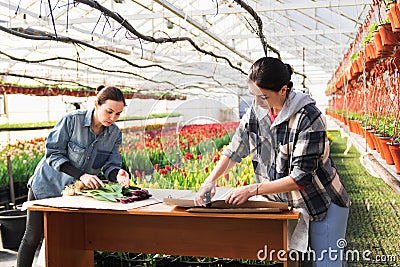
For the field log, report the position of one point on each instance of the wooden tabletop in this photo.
(169, 210)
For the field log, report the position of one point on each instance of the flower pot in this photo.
(394, 22)
(355, 70)
(352, 126)
(376, 142)
(382, 51)
(12, 227)
(370, 139)
(385, 153)
(360, 129)
(394, 149)
(394, 16)
(370, 51)
(388, 37)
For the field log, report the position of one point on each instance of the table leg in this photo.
(64, 234)
(289, 227)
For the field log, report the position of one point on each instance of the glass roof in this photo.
(202, 45)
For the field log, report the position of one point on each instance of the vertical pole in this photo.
(365, 98)
(304, 68)
(11, 180)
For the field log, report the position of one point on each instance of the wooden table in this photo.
(73, 235)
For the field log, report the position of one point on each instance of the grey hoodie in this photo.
(296, 101)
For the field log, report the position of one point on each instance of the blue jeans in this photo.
(327, 238)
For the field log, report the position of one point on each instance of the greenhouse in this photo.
(199, 133)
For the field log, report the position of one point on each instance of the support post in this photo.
(11, 181)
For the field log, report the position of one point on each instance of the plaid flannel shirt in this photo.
(298, 147)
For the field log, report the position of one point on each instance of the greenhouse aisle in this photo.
(373, 227)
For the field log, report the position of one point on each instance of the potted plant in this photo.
(388, 37)
(12, 227)
(384, 135)
(393, 15)
(394, 145)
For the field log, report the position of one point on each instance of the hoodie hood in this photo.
(294, 102)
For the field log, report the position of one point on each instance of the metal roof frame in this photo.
(312, 36)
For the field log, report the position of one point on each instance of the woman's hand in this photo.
(200, 196)
(241, 194)
(91, 181)
(123, 178)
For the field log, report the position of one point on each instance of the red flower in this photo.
(156, 166)
(188, 156)
(216, 158)
(206, 169)
(167, 167)
(163, 171)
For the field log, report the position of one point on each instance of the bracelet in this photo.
(257, 190)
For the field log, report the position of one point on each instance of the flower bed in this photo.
(161, 156)
(24, 157)
(181, 158)
(374, 217)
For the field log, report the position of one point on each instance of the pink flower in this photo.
(137, 173)
(226, 176)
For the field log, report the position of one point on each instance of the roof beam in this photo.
(312, 5)
(200, 27)
(285, 34)
(221, 10)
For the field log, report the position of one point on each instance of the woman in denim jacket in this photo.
(83, 143)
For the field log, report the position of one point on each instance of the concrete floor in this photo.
(8, 258)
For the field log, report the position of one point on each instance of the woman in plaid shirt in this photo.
(285, 134)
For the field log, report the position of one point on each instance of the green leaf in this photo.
(112, 188)
(111, 196)
(101, 197)
(105, 193)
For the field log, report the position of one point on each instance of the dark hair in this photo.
(271, 74)
(105, 93)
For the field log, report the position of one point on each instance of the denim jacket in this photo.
(73, 140)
